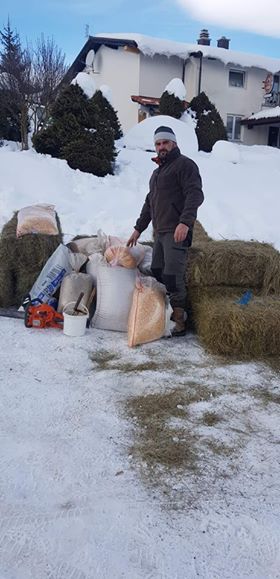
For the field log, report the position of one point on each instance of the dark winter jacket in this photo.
(175, 195)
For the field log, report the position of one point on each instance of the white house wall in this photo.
(156, 72)
(119, 69)
(230, 100)
(257, 135)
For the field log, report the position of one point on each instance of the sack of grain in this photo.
(115, 286)
(73, 284)
(39, 218)
(119, 255)
(147, 317)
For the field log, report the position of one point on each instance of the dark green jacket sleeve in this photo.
(145, 216)
(191, 184)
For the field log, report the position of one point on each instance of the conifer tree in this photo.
(76, 133)
(171, 105)
(11, 68)
(107, 112)
(210, 127)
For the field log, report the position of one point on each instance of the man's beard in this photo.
(162, 154)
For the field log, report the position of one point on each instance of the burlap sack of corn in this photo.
(147, 317)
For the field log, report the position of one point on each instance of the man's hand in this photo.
(133, 238)
(180, 232)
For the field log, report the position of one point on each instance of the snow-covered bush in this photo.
(172, 100)
(77, 133)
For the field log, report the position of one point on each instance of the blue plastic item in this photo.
(245, 298)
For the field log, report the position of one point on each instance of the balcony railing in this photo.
(271, 100)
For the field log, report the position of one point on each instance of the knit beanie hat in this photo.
(164, 134)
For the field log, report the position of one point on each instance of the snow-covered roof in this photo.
(149, 46)
(266, 113)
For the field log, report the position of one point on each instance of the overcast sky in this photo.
(250, 15)
(251, 25)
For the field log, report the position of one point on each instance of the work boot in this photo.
(178, 316)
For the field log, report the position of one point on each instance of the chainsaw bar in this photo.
(11, 313)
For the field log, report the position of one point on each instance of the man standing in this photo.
(171, 204)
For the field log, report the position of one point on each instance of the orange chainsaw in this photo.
(42, 316)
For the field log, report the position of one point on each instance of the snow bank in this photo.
(141, 136)
(239, 182)
(226, 151)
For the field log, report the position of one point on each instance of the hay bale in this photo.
(246, 264)
(21, 260)
(196, 294)
(199, 233)
(251, 331)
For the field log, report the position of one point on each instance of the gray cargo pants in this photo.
(169, 267)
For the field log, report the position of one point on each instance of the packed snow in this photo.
(150, 46)
(266, 113)
(107, 93)
(85, 80)
(177, 88)
(241, 198)
(76, 502)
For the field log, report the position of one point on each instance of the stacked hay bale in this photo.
(218, 274)
(21, 260)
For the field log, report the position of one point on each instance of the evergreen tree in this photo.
(11, 68)
(210, 127)
(76, 133)
(171, 105)
(107, 112)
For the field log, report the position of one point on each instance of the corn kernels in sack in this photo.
(119, 255)
(147, 318)
(40, 218)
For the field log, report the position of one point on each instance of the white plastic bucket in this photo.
(75, 325)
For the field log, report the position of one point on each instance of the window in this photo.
(233, 128)
(236, 78)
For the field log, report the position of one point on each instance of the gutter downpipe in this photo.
(199, 55)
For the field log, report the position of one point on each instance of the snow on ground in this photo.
(77, 501)
(239, 182)
(74, 503)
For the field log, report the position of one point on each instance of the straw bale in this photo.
(199, 233)
(234, 263)
(227, 328)
(21, 260)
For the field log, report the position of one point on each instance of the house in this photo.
(137, 68)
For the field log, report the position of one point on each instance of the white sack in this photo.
(115, 286)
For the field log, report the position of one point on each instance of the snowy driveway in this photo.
(74, 501)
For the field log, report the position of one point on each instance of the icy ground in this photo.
(74, 501)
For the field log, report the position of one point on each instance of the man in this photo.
(171, 204)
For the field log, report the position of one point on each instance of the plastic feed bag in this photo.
(119, 255)
(147, 317)
(39, 218)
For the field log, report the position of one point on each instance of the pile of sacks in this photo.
(129, 299)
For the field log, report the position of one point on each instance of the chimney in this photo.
(223, 42)
(204, 37)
